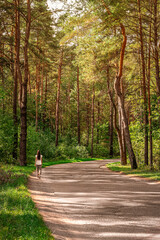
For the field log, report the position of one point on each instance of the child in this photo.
(38, 163)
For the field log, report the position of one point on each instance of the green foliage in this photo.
(6, 137)
(101, 150)
(137, 137)
(64, 151)
(19, 219)
(42, 140)
(140, 172)
(5, 176)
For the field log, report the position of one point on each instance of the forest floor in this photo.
(86, 201)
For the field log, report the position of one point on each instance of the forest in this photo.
(80, 79)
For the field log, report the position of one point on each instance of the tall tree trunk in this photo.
(144, 85)
(111, 130)
(115, 118)
(78, 112)
(92, 122)
(124, 161)
(98, 119)
(37, 88)
(149, 97)
(41, 92)
(117, 86)
(45, 102)
(156, 55)
(23, 106)
(41, 100)
(15, 120)
(29, 82)
(18, 52)
(88, 117)
(2, 73)
(58, 97)
(12, 51)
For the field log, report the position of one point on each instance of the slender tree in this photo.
(144, 85)
(92, 121)
(149, 92)
(58, 96)
(78, 110)
(111, 130)
(15, 144)
(23, 105)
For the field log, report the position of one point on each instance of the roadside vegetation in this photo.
(19, 218)
(141, 171)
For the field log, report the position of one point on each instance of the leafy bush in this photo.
(64, 151)
(137, 137)
(44, 141)
(5, 176)
(6, 138)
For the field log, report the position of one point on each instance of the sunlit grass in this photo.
(19, 218)
(145, 172)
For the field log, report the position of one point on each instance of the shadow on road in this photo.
(83, 202)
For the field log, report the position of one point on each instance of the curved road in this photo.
(85, 201)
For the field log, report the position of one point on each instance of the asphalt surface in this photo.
(85, 201)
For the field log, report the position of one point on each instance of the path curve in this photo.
(85, 201)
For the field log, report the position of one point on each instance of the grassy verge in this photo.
(145, 172)
(19, 218)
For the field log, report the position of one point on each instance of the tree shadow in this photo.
(85, 203)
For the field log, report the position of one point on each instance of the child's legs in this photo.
(36, 170)
(40, 169)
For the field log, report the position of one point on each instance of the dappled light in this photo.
(84, 201)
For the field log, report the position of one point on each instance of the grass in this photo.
(19, 218)
(145, 172)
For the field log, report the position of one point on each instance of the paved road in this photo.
(85, 201)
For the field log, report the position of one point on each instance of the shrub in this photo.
(6, 138)
(137, 137)
(64, 151)
(45, 141)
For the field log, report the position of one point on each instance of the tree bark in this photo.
(15, 120)
(37, 88)
(98, 119)
(119, 134)
(78, 112)
(23, 106)
(92, 122)
(88, 117)
(117, 86)
(29, 82)
(58, 97)
(144, 86)
(149, 95)
(124, 160)
(111, 131)
(156, 54)
(45, 102)
(2, 76)
(18, 52)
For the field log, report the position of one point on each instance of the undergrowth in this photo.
(141, 172)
